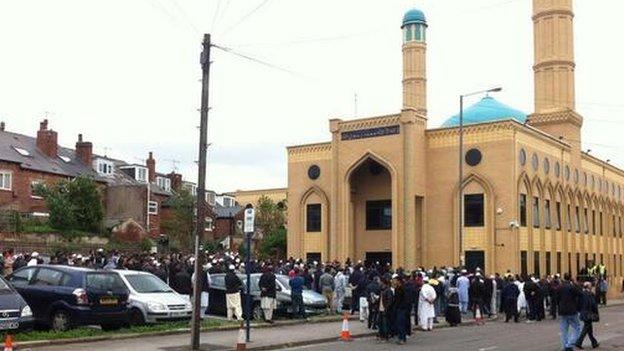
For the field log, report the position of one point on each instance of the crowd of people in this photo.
(389, 301)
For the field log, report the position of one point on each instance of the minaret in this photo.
(415, 61)
(554, 71)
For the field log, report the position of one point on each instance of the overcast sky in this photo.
(126, 73)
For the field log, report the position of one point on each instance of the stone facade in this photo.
(541, 197)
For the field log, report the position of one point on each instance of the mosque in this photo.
(387, 188)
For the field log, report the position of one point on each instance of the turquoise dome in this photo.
(486, 110)
(413, 16)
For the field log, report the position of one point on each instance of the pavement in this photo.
(495, 335)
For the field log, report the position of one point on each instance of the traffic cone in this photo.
(478, 316)
(8, 343)
(345, 335)
(241, 344)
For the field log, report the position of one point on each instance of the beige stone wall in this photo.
(244, 197)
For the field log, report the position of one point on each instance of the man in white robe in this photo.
(426, 309)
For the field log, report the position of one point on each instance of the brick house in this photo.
(130, 191)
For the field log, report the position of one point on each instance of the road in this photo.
(494, 336)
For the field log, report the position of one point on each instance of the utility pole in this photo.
(201, 193)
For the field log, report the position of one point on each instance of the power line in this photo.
(249, 14)
(253, 59)
(214, 17)
(188, 19)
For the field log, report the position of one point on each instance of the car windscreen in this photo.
(105, 281)
(145, 283)
(285, 282)
(4, 285)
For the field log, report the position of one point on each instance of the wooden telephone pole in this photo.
(201, 191)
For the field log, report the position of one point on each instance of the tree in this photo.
(181, 224)
(74, 205)
(270, 221)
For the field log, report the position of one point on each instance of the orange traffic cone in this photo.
(241, 344)
(8, 343)
(345, 335)
(478, 316)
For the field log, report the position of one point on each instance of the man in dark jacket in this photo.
(568, 296)
(589, 315)
(233, 286)
(297, 282)
(401, 306)
(268, 293)
(509, 299)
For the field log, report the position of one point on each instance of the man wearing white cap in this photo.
(33, 259)
(426, 309)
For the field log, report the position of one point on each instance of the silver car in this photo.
(151, 300)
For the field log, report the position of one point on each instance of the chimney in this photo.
(47, 140)
(84, 151)
(176, 181)
(2, 126)
(151, 168)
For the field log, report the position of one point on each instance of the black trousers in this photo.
(511, 309)
(588, 330)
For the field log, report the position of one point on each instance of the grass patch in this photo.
(84, 332)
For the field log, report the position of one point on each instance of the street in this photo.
(493, 336)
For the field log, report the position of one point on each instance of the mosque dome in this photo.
(486, 110)
(413, 16)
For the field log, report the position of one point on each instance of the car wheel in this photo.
(61, 321)
(258, 314)
(136, 317)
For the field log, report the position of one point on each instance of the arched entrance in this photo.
(371, 211)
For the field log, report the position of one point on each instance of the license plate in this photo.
(108, 301)
(9, 325)
(178, 314)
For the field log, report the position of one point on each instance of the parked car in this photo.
(62, 297)
(15, 314)
(314, 302)
(151, 300)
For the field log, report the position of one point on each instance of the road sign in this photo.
(249, 220)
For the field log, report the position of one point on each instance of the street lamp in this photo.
(461, 167)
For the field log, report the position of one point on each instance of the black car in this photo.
(62, 297)
(14, 311)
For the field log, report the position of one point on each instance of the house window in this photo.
(104, 167)
(523, 210)
(6, 178)
(558, 209)
(152, 207)
(141, 174)
(547, 221)
(21, 151)
(33, 189)
(536, 212)
(164, 183)
(313, 218)
(473, 210)
(378, 215)
(208, 226)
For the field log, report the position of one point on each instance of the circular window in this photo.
(314, 172)
(534, 162)
(567, 172)
(576, 176)
(522, 157)
(557, 169)
(546, 165)
(473, 157)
